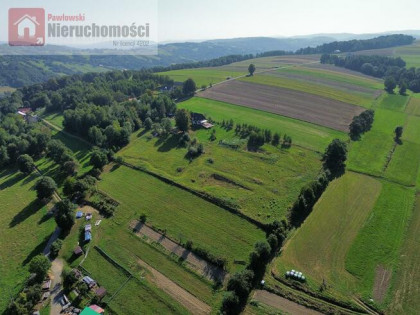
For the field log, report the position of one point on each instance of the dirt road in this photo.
(189, 301)
(283, 304)
(56, 292)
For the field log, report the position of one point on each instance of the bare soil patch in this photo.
(382, 279)
(189, 301)
(281, 303)
(295, 104)
(202, 266)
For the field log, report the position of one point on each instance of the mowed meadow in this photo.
(261, 185)
(184, 216)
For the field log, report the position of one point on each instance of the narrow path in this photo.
(52, 239)
(56, 293)
(189, 301)
(52, 126)
(205, 268)
(281, 303)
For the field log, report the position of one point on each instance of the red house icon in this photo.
(26, 27)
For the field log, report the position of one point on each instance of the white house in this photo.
(27, 22)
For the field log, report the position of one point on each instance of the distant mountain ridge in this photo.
(17, 71)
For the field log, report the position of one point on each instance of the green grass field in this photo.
(54, 118)
(304, 134)
(413, 107)
(320, 246)
(202, 76)
(132, 296)
(404, 165)
(315, 73)
(393, 102)
(183, 215)
(410, 54)
(261, 185)
(378, 242)
(406, 290)
(369, 155)
(25, 229)
(307, 87)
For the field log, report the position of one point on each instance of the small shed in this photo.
(79, 214)
(88, 227)
(46, 285)
(88, 236)
(78, 251)
(100, 292)
(89, 281)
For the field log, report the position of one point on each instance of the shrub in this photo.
(55, 248)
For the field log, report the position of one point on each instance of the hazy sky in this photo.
(199, 19)
(180, 20)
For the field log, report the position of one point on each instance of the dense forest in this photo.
(357, 45)
(103, 108)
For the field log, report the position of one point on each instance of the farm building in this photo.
(91, 311)
(200, 120)
(100, 292)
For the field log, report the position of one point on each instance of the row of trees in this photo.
(391, 69)
(241, 283)
(361, 124)
(359, 44)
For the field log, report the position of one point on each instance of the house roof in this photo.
(26, 16)
(97, 308)
(88, 311)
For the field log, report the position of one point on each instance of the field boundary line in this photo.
(112, 261)
(206, 197)
(382, 177)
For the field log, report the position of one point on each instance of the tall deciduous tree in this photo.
(189, 87)
(45, 187)
(183, 119)
(251, 69)
(26, 164)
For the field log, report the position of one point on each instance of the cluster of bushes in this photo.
(103, 204)
(79, 188)
(195, 149)
(257, 136)
(26, 300)
(308, 196)
(359, 44)
(361, 124)
(391, 69)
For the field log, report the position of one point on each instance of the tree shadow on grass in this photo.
(26, 212)
(142, 133)
(12, 180)
(168, 144)
(37, 250)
